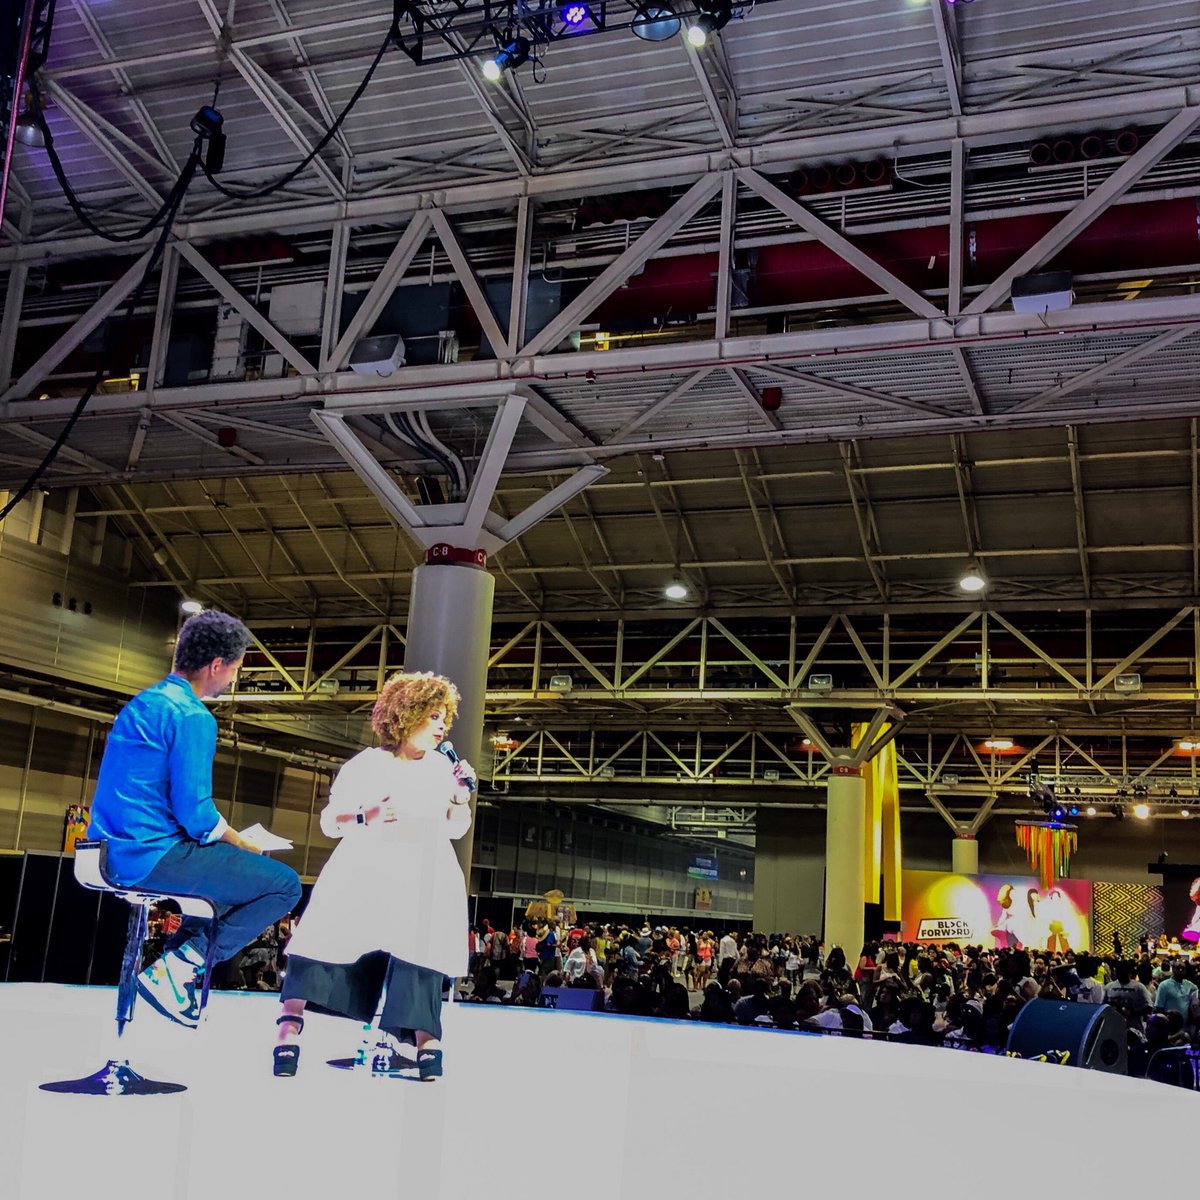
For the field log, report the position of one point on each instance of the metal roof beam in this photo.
(1111, 190)
(841, 246)
(945, 28)
(931, 133)
(618, 271)
(245, 308)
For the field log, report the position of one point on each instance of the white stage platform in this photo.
(556, 1104)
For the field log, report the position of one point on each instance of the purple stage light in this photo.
(575, 14)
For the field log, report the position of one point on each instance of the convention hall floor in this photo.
(541, 1103)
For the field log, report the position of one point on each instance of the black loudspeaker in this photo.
(572, 999)
(1093, 1035)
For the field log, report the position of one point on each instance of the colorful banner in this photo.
(996, 911)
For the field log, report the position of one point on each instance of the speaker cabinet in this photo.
(1094, 1035)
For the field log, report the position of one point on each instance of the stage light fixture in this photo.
(1183, 812)
(191, 607)
(511, 55)
(1091, 810)
(1141, 811)
(1188, 746)
(1118, 811)
(714, 16)
(655, 22)
(574, 14)
(676, 591)
(1073, 810)
(972, 580)
(999, 743)
(29, 130)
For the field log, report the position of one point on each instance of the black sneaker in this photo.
(429, 1065)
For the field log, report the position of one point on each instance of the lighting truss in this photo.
(436, 31)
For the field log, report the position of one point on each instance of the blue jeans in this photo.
(249, 890)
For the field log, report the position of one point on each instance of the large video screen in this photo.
(996, 911)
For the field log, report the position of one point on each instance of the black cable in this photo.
(256, 193)
(177, 194)
(60, 174)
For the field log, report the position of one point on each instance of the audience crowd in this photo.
(966, 997)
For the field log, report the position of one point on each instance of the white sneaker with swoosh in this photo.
(169, 987)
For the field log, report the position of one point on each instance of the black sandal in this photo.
(287, 1058)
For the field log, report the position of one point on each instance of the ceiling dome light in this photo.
(1141, 811)
(654, 22)
(191, 607)
(676, 591)
(511, 55)
(972, 580)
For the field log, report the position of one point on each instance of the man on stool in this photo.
(154, 806)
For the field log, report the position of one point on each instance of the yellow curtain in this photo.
(881, 850)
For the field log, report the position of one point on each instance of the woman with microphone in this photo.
(388, 912)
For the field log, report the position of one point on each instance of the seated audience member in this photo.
(1127, 992)
(754, 1003)
(716, 1006)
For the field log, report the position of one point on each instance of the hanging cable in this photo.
(421, 421)
(255, 193)
(171, 202)
(177, 194)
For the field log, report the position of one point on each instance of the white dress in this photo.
(393, 886)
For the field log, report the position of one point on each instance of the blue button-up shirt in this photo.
(155, 785)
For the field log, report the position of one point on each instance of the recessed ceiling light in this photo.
(972, 580)
(676, 591)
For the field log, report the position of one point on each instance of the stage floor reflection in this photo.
(545, 1103)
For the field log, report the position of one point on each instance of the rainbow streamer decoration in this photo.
(1048, 846)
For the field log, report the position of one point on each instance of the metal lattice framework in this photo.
(922, 425)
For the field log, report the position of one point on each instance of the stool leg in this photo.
(131, 965)
(117, 1077)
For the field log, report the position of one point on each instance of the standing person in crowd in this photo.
(704, 955)
(154, 807)
(529, 951)
(549, 954)
(728, 949)
(583, 961)
(386, 916)
(1178, 993)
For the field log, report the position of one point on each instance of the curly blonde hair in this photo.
(406, 700)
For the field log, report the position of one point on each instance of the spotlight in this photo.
(575, 14)
(511, 55)
(191, 607)
(998, 743)
(1057, 812)
(972, 580)
(1141, 811)
(1188, 746)
(655, 22)
(1091, 810)
(714, 16)
(1073, 810)
(675, 591)
(29, 130)
(1183, 812)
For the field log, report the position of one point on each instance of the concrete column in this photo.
(449, 633)
(845, 833)
(964, 854)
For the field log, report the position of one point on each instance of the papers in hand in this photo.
(264, 839)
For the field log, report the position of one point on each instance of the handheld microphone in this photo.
(446, 747)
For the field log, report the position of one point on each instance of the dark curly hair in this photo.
(206, 636)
